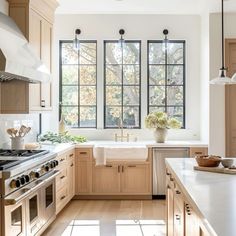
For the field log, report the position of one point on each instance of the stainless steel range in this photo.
(27, 191)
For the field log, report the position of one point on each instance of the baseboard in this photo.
(159, 197)
(113, 197)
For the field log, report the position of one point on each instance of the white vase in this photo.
(160, 135)
(62, 125)
(17, 143)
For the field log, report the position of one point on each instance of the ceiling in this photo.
(142, 6)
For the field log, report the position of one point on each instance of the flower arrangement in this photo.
(161, 120)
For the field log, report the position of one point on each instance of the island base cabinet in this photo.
(106, 179)
(170, 211)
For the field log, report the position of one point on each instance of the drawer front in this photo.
(61, 179)
(70, 155)
(61, 159)
(61, 199)
(194, 151)
(84, 154)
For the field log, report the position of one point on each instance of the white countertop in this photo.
(213, 194)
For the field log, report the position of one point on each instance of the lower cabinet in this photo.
(182, 218)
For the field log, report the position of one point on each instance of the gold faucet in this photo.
(121, 136)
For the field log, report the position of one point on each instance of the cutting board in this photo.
(221, 170)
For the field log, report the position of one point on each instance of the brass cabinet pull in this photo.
(83, 153)
(177, 217)
(132, 166)
(71, 155)
(63, 197)
(118, 169)
(62, 159)
(108, 166)
(198, 153)
(72, 165)
(171, 179)
(167, 173)
(122, 169)
(62, 177)
(177, 192)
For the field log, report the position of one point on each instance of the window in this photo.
(166, 78)
(122, 84)
(78, 83)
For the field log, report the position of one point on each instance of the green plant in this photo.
(62, 138)
(162, 121)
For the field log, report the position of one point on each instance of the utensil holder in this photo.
(17, 143)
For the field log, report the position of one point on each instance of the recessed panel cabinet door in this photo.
(170, 211)
(106, 179)
(135, 179)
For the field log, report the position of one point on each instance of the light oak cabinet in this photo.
(194, 151)
(35, 19)
(65, 188)
(182, 218)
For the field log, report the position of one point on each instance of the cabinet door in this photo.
(135, 179)
(83, 177)
(191, 222)
(106, 179)
(46, 57)
(170, 209)
(178, 213)
(35, 42)
(71, 178)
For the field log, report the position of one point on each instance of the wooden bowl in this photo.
(208, 161)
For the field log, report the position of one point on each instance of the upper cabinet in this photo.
(35, 19)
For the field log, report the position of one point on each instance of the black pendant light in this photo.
(222, 79)
(121, 40)
(76, 42)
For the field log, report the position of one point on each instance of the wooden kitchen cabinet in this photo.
(192, 226)
(83, 171)
(135, 179)
(194, 151)
(35, 19)
(71, 174)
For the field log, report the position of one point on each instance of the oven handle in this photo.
(14, 201)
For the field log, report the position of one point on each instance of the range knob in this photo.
(56, 162)
(46, 167)
(27, 178)
(52, 164)
(22, 180)
(15, 183)
(35, 174)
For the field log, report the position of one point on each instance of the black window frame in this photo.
(166, 75)
(122, 85)
(61, 85)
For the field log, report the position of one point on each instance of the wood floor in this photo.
(110, 218)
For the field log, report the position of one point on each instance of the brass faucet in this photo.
(121, 136)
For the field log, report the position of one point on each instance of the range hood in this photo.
(17, 59)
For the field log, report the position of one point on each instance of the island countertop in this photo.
(213, 194)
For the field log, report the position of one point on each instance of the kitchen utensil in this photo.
(227, 162)
(208, 161)
(17, 143)
(26, 131)
(221, 170)
(9, 131)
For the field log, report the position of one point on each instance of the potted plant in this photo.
(161, 122)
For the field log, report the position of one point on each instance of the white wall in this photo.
(217, 93)
(4, 6)
(141, 27)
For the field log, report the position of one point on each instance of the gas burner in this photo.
(20, 153)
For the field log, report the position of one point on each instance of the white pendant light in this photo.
(222, 79)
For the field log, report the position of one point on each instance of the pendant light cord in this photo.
(223, 43)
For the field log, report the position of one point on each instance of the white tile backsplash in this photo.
(15, 121)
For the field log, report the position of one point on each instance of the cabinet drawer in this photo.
(61, 159)
(70, 155)
(84, 154)
(61, 179)
(61, 198)
(198, 151)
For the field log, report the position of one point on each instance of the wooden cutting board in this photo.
(221, 170)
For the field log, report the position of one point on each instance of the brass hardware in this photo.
(62, 197)
(121, 136)
(198, 153)
(132, 166)
(177, 217)
(71, 155)
(177, 192)
(171, 179)
(118, 169)
(123, 169)
(72, 165)
(83, 153)
(62, 177)
(62, 159)
(108, 166)
(167, 173)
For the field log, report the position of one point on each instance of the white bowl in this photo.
(227, 162)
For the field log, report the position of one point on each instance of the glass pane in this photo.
(69, 95)
(69, 74)
(113, 74)
(71, 115)
(87, 75)
(175, 95)
(156, 53)
(33, 208)
(131, 95)
(156, 109)
(113, 95)
(88, 95)
(175, 53)
(113, 53)
(176, 112)
(68, 54)
(131, 74)
(87, 116)
(16, 221)
(87, 53)
(131, 53)
(49, 195)
(113, 115)
(131, 117)
(175, 75)
(157, 95)
(157, 75)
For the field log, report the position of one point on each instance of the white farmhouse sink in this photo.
(119, 151)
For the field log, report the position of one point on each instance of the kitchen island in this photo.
(199, 203)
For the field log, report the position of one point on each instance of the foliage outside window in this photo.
(122, 84)
(166, 78)
(78, 84)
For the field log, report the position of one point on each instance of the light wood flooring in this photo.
(110, 218)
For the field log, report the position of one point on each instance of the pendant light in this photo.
(121, 40)
(76, 42)
(222, 79)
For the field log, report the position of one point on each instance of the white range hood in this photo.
(17, 59)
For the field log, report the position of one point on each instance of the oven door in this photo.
(15, 219)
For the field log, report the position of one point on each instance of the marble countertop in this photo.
(213, 194)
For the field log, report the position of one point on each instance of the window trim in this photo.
(166, 64)
(122, 85)
(60, 85)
